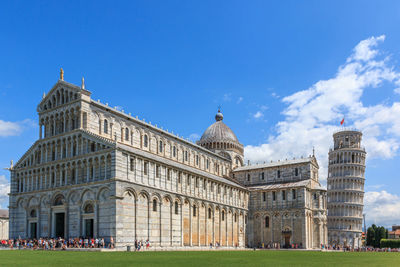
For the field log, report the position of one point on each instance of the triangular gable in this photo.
(72, 88)
(314, 161)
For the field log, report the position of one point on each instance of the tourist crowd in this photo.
(88, 243)
(63, 244)
(56, 243)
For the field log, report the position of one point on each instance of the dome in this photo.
(218, 132)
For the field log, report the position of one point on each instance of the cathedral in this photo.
(96, 171)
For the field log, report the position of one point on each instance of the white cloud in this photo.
(9, 128)
(194, 137)
(397, 90)
(312, 115)
(274, 95)
(4, 191)
(258, 115)
(240, 99)
(382, 208)
(227, 97)
(363, 50)
(375, 186)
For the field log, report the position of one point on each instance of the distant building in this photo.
(4, 220)
(287, 203)
(395, 233)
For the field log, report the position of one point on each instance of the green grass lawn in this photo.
(194, 258)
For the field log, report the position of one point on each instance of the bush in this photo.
(390, 243)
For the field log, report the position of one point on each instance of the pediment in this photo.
(314, 161)
(61, 93)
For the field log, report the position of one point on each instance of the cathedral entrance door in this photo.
(287, 241)
(89, 228)
(33, 233)
(59, 224)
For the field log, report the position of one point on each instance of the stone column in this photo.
(87, 172)
(20, 184)
(105, 168)
(190, 224)
(96, 216)
(213, 226)
(181, 222)
(160, 221)
(37, 180)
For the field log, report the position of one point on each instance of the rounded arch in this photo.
(88, 207)
(33, 201)
(169, 198)
(73, 196)
(178, 199)
(21, 203)
(87, 194)
(127, 190)
(188, 201)
(144, 193)
(58, 200)
(129, 194)
(156, 196)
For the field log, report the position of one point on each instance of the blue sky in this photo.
(284, 72)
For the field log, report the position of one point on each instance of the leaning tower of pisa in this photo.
(346, 189)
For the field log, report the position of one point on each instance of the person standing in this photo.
(111, 242)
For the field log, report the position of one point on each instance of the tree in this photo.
(380, 233)
(371, 236)
(375, 234)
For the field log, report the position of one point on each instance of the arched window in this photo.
(235, 219)
(88, 208)
(145, 140)
(176, 207)
(154, 204)
(223, 215)
(160, 147)
(59, 201)
(33, 213)
(127, 134)
(267, 222)
(209, 213)
(186, 155)
(105, 126)
(194, 211)
(174, 151)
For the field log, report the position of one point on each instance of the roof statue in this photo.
(83, 83)
(61, 74)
